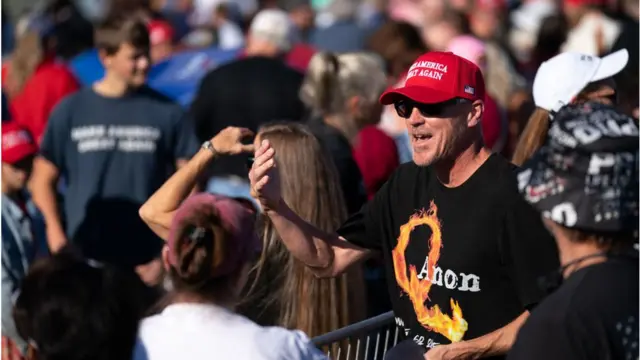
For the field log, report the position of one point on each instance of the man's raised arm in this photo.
(326, 254)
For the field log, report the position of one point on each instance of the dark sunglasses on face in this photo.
(405, 107)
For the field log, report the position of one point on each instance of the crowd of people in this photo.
(471, 165)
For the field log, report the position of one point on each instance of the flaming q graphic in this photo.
(452, 327)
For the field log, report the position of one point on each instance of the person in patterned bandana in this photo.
(584, 182)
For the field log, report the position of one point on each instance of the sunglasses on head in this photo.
(405, 107)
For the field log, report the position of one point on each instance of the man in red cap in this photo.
(465, 250)
(19, 226)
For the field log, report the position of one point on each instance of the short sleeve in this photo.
(186, 144)
(57, 134)
(364, 228)
(529, 251)
(557, 338)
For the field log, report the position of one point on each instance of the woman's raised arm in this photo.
(158, 211)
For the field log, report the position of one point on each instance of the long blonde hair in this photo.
(535, 132)
(532, 137)
(284, 290)
(26, 57)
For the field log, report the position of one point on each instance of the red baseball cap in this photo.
(439, 76)
(160, 32)
(17, 143)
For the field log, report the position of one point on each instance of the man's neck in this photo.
(110, 87)
(572, 251)
(453, 173)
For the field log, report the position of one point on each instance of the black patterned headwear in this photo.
(585, 176)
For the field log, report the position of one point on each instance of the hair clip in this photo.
(197, 234)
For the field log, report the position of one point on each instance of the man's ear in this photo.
(475, 115)
(105, 59)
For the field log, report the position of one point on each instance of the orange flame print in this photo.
(452, 327)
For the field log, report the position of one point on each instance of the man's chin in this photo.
(422, 160)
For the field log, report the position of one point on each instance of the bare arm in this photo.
(495, 343)
(43, 183)
(326, 254)
(158, 211)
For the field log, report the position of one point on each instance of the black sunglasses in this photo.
(405, 107)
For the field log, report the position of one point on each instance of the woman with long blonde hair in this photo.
(33, 79)
(282, 291)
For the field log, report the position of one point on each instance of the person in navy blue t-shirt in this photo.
(114, 143)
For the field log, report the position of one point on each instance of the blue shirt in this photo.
(114, 153)
(22, 233)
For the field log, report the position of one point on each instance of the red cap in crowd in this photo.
(577, 3)
(17, 143)
(235, 217)
(439, 76)
(160, 32)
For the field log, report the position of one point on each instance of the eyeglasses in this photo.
(404, 108)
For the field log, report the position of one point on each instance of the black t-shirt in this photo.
(482, 245)
(593, 315)
(249, 92)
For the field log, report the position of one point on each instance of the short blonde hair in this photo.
(332, 79)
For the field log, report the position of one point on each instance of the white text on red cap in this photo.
(16, 138)
(428, 69)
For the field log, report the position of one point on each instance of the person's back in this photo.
(600, 299)
(248, 92)
(592, 312)
(208, 255)
(207, 330)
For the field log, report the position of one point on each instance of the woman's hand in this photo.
(229, 141)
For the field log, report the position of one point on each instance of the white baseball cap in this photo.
(274, 25)
(560, 79)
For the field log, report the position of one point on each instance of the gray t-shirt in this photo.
(114, 153)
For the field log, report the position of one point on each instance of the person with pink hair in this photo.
(494, 126)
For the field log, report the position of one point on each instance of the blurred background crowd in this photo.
(248, 63)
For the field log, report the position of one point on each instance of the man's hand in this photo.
(229, 141)
(265, 178)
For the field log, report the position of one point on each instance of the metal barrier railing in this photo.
(339, 344)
